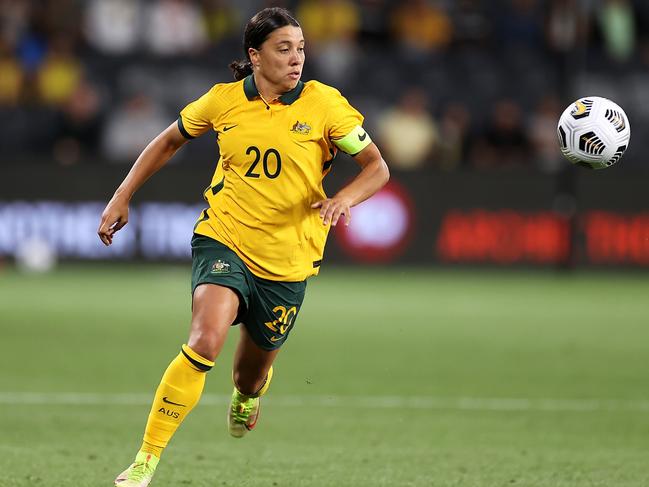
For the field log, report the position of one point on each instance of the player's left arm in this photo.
(373, 176)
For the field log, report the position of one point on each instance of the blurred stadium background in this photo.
(482, 322)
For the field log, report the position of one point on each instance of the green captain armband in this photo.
(354, 142)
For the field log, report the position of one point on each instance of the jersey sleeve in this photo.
(198, 117)
(345, 126)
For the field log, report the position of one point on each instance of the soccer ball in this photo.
(593, 132)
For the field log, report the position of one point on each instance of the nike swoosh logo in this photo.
(164, 399)
(274, 339)
(225, 129)
(362, 137)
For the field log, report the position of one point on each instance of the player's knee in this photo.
(204, 343)
(196, 360)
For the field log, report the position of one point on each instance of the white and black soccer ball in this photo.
(593, 132)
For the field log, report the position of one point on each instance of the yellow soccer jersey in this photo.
(273, 159)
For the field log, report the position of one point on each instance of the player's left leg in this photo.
(252, 373)
(266, 325)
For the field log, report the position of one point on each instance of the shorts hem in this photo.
(252, 332)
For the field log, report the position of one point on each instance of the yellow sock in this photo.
(264, 388)
(179, 391)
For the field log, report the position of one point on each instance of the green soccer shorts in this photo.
(268, 309)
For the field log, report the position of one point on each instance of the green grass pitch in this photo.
(393, 377)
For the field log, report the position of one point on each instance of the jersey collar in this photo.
(251, 91)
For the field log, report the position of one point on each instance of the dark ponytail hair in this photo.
(257, 31)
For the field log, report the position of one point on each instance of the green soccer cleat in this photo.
(243, 414)
(140, 473)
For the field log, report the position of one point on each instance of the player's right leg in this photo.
(214, 309)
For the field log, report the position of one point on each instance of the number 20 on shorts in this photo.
(284, 319)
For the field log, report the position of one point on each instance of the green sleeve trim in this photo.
(182, 129)
(218, 187)
(354, 142)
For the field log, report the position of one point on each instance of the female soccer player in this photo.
(265, 228)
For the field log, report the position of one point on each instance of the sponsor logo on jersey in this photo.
(220, 267)
(301, 128)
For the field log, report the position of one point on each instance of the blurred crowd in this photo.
(445, 84)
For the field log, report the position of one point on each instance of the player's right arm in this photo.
(152, 158)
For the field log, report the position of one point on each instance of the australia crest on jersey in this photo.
(301, 128)
(220, 267)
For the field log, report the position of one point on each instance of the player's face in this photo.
(281, 57)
